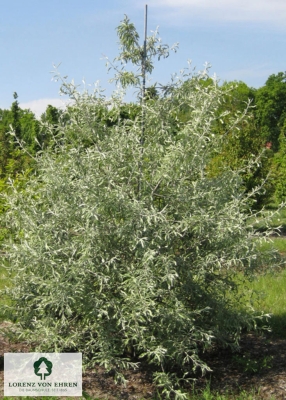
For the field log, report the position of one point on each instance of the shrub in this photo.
(128, 249)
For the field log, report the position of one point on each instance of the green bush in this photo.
(126, 249)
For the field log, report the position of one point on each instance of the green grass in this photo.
(276, 242)
(271, 285)
(207, 394)
(277, 220)
(280, 219)
(272, 299)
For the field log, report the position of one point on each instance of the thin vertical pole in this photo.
(143, 70)
(144, 56)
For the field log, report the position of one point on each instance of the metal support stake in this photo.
(143, 71)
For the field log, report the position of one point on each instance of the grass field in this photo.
(271, 285)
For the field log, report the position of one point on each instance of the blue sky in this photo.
(242, 40)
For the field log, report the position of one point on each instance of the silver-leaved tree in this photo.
(129, 249)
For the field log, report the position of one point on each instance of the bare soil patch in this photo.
(258, 366)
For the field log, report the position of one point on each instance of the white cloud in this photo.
(225, 10)
(255, 73)
(38, 107)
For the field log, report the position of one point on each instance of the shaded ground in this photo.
(259, 366)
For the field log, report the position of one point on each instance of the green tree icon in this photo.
(43, 368)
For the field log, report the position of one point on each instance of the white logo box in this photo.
(43, 374)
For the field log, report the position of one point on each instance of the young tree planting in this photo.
(128, 250)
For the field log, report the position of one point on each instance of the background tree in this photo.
(279, 167)
(244, 141)
(5, 147)
(49, 128)
(30, 128)
(271, 116)
(271, 108)
(18, 128)
(15, 116)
